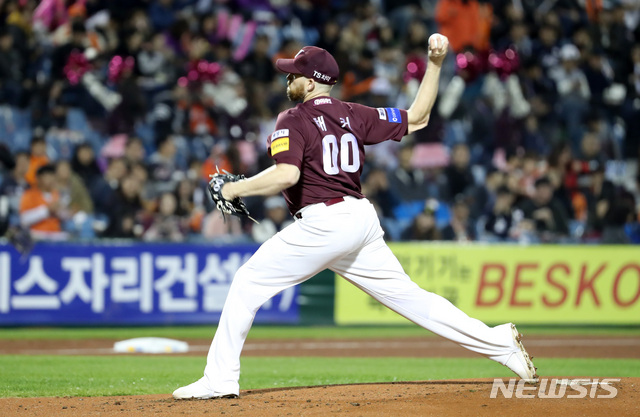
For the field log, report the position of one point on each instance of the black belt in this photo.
(327, 203)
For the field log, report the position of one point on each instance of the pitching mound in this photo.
(438, 398)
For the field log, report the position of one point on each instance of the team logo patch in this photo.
(279, 134)
(393, 114)
(381, 113)
(319, 101)
(279, 145)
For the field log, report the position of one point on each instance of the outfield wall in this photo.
(151, 284)
(529, 285)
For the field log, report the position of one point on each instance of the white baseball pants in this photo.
(346, 238)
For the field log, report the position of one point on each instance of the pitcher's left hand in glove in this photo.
(235, 207)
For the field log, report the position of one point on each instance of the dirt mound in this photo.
(438, 398)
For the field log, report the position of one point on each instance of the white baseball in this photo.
(438, 44)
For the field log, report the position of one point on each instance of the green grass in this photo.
(41, 376)
(28, 376)
(281, 332)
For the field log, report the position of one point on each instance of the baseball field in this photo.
(314, 371)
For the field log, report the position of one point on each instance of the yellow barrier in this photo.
(498, 284)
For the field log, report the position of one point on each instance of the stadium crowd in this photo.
(114, 113)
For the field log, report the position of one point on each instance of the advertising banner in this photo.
(528, 285)
(126, 284)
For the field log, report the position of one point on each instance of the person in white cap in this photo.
(574, 92)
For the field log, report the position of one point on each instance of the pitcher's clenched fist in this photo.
(438, 47)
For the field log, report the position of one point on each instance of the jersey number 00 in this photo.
(348, 145)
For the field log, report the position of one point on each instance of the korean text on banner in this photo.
(527, 285)
(126, 284)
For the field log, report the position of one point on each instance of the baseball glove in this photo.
(235, 207)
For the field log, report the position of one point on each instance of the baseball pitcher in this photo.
(318, 148)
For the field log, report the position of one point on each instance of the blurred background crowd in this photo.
(113, 113)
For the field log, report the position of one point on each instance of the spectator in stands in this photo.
(132, 107)
(610, 33)
(408, 182)
(190, 204)
(621, 214)
(568, 89)
(599, 75)
(579, 176)
(590, 155)
(163, 166)
(357, 82)
(7, 161)
(377, 188)
(465, 23)
(134, 152)
(484, 196)
(519, 39)
(571, 200)
(11, 190)
(574, 92)
(546, 48)
(500, 220)
(423, 227)
(632, 228)
(85, 165)
(40, 206)
(103, 189)
(124, 209)
(72, 190)
(600, 196)
(37, 158)
(166, 224)
(148, 192)
(78, 42)
(276, 218)
(547, 214)
(162, 14)
(630, 111)
(537, 83)
(458, 173)
(460, 228)
(154, 62)
(257, 65)
(216, 228)
(76, 202)
(330, 37)
(10, 70)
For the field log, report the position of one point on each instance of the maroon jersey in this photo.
(325, 138)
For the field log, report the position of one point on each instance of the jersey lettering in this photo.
(330, 155)
(320, 123)
(345, 122)
(348, 151)
(349, 145)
